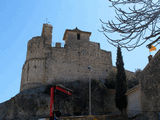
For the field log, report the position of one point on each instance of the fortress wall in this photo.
(68, 64)
(33, 73)
(34, 67)
(45, 64)
(150, 85)
(36, 71)
(65, 64)
(35, 48)
(24, 75)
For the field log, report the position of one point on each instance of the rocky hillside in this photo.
(34, 103)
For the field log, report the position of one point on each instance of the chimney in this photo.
(47, 34)
(150, 58)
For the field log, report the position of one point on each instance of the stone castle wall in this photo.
(150, 87)
(45, 64)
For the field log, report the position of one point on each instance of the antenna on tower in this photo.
(47, 22)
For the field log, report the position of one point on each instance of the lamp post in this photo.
(90, 98)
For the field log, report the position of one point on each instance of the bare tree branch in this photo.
(135, 24)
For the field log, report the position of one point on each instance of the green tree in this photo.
(121, 85)
(110, 81)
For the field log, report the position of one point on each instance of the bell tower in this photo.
(76, 37)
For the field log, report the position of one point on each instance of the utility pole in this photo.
(90, 97)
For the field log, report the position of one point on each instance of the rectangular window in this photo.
(78, 36)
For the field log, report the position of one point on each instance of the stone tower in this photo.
(46, 64)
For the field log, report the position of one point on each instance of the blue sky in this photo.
(23, 19)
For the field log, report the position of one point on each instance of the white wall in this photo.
(134, 101)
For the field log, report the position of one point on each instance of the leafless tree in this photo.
(137, 22)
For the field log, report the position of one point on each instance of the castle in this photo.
(79, 60)
(46, 64)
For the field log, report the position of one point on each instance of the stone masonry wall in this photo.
(34, 67)
(66, 64)
(150, 86)
(45, 64)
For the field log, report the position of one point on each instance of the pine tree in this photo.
(121, 85)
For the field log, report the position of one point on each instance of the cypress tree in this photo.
(121, 85)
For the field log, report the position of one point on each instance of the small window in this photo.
(78, 36)
(35, 66)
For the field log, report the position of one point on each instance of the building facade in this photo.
(134, 101)
(150, 88)
(145, 97)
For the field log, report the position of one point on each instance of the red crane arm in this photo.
(63, 90)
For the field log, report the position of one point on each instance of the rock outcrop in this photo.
(34, 103)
